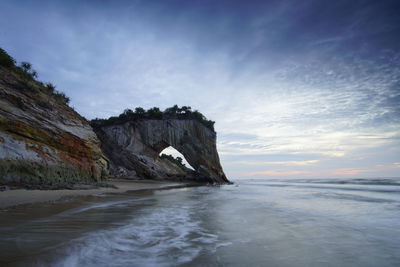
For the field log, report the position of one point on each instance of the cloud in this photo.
(296, 85)
(280, 163)
(340, 172)
(396, 165)
(275, 173)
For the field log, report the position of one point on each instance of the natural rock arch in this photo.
(135, 146)
(172, 152)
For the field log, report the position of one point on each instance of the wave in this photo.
(356, 181)
(353, 197)
(158, 237)
(384, 185)
(366, 189)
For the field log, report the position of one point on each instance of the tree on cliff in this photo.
(27, 70)
(128, 112)
(6, 60)
(178, 160)
(28, 76)
(172, 110)
(140, 110)
(155, 112)
(186, 109)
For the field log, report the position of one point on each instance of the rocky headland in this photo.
(45, 141)
(133, 147)
(42, 139)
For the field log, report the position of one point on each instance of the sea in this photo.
(254, 222)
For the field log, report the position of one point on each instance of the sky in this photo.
(298, 89)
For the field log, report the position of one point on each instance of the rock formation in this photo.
(42, 139)
(133, 148)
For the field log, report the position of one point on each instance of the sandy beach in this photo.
(22, 196)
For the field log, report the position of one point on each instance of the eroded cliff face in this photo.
(43, 140)
(133, 149)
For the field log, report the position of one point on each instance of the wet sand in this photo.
(22, 196)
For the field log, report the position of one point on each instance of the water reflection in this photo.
(258, 223)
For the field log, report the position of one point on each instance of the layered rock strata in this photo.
(42, 139)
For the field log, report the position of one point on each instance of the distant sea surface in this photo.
(324, 222)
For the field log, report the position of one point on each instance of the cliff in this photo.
(42, 139)
(133, 148)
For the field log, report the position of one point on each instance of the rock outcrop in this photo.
(133, 148)
(42, 139)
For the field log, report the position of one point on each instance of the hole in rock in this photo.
(177, 155)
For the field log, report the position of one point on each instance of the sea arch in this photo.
(170, 151)
(147, 138)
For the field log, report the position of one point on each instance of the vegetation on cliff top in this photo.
(177, 161)
(27, 74)
(29, 77)
(175, 112)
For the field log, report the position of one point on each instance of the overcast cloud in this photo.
(297, 88)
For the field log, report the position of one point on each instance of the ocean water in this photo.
(325, 222)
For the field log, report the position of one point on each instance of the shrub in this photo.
(128, 111)
(6, 60)
(140, 110)
(25, 66)
(51, 87)
(154, 113)
(178, 161)
(33, 74)
(186, 109)
(26, 71)
(173, 112)
(61, 97)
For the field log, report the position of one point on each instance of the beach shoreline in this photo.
(10, 198)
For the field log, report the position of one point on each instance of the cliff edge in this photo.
(42, 139)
